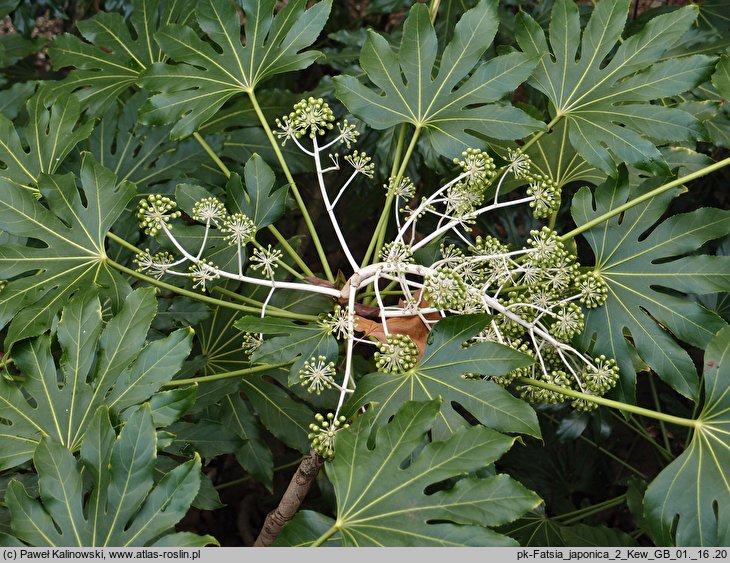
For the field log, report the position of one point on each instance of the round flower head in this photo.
(444, 288)
(568, 322)
(593, 290)
(155, 211)
(584, 404)
(558, 378)
(209, 210)
(463, 198)
(478, 166)
(240, 229)
(396, 254)
(157, 264)
(547, 246)
(547, 197)
(251, 342)
(266, 259)
(397, 354)
(201, 273)
(317, 374)
(601, 377)
(362, 163)
(348, 133)
(310, 117)
(337, 322)
(519, 163)
(403, 189)
(324, 432)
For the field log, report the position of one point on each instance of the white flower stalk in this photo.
(534, 293)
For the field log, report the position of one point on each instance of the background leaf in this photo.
(51, 135)
(115, 54)
(108, 366)
(194, 90)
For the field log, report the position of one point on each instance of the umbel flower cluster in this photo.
(535, 294)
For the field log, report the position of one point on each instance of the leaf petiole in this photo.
(225, 375)
(324, 537)
(378, 238)
(611, 403)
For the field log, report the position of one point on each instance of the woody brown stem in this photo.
(291, 501)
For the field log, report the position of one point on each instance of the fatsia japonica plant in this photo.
(457, 279)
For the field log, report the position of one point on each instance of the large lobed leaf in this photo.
(439, 374)
(644, 270)
(50, 136)
(71, 254)
(100, 365)
(689, 501)
(447, 103)
(124, 507)
(194, 90)
(381, 490)
(115, 55)
(605, 99)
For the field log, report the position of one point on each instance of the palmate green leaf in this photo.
(443, 104)
(206, 437)
(169, 406)
(124, 507)
(7, 6)
(689, 501)
(116, 53)
(380, 491)
(644, 270)
(439, 374)
(554, 157)
(15, 98)
(15, 46)
(194, 90)
(70, 254)
(100, 365)
(241, 144)
(50, 136)
(284, 416)
(606, 104)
